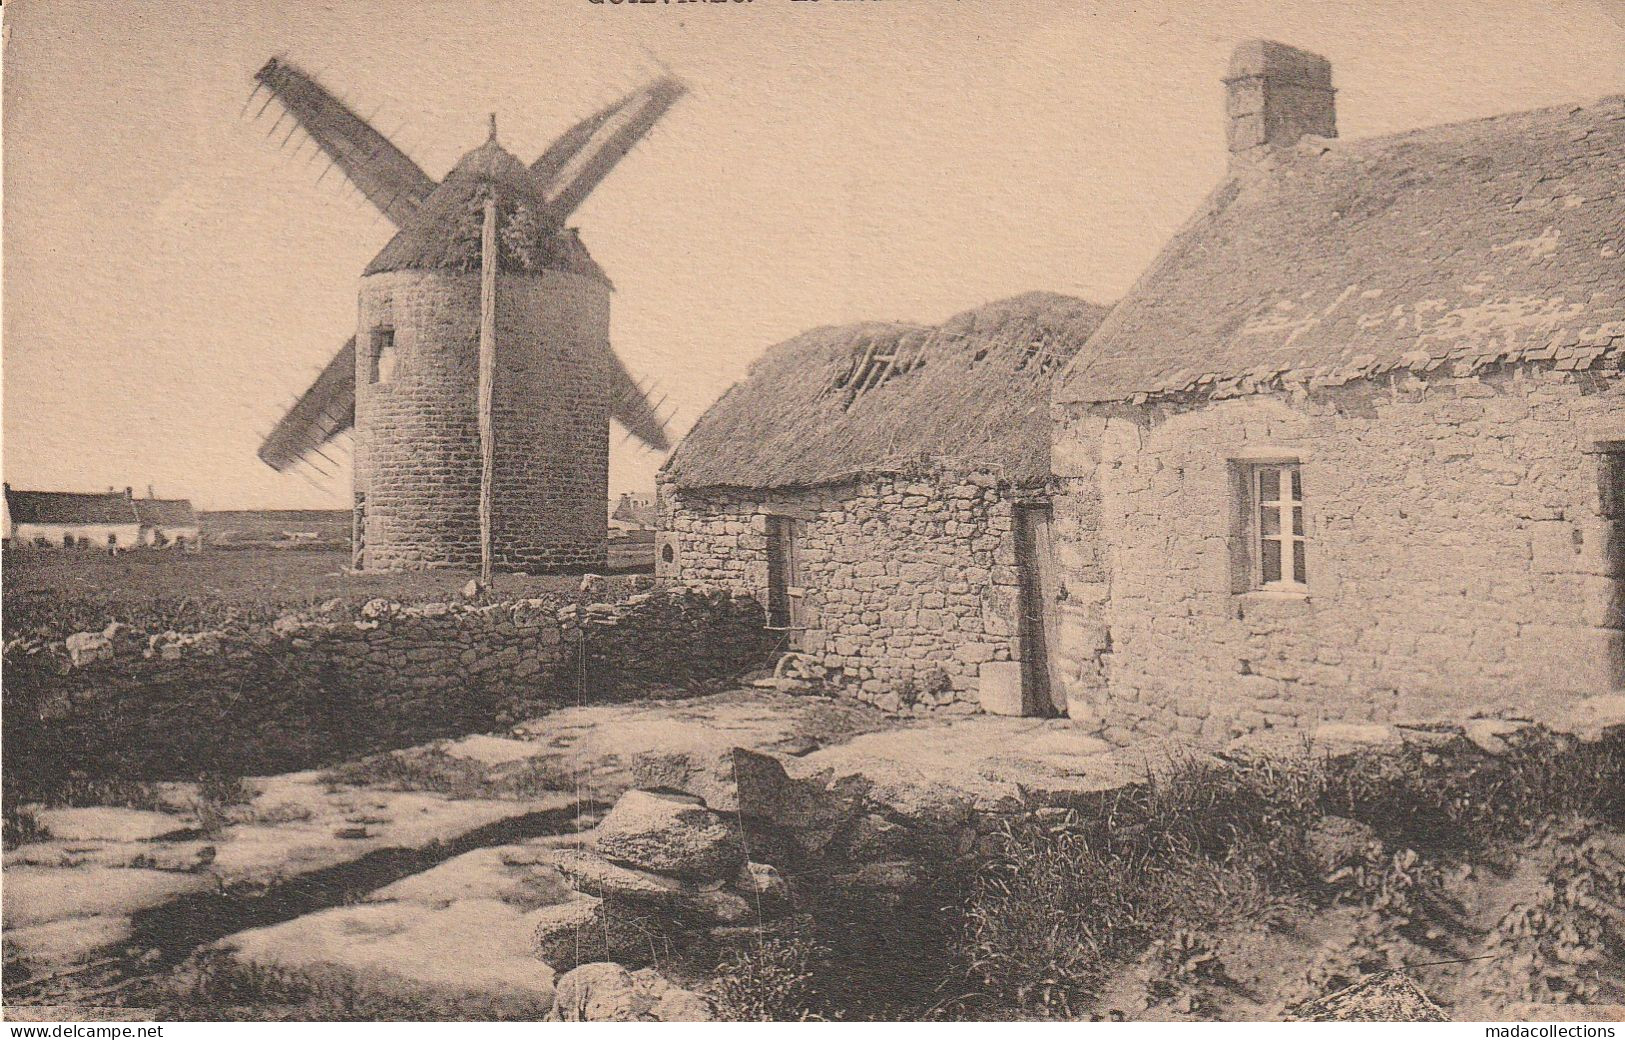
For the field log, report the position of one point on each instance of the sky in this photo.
(172, 280)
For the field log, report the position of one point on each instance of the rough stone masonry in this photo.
(1463, 541)
(910, 584)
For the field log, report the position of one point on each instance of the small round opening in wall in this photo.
(666, 555)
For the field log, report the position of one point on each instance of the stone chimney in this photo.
(1274, 95)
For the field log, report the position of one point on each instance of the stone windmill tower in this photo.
(480, 381)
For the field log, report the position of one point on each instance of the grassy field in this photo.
(53, 593)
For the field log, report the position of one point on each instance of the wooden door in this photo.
(784, 590)
(1035, 571)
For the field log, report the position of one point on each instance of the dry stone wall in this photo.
(1464, 556)
(288, 695)
(910, 584)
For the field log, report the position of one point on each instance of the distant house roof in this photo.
(1498, 240)
(445, 233)
(165, 512)
(69, 507)
(638, 509)
(838, 403)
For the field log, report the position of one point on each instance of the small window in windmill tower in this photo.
(381, 356)
(1272, 526)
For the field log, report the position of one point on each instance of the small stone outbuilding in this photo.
(884, 489)
(1353, 448)
(168, 522)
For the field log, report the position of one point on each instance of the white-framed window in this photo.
(1274, 527)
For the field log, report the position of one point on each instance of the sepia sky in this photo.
(172, 280)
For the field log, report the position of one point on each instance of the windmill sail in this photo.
(618, 128)
(326, 410)
(548, 165)
(629, 406)
(384, 173)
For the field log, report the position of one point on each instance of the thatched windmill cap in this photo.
(446, 231)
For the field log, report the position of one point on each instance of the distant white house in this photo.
(168, 522)
(68, 518)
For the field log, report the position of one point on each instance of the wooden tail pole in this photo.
(488, 354)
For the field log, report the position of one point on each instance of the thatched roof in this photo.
(873, 398)
(165, 512)
(69, 507)
(1497, 240)
(445, 231)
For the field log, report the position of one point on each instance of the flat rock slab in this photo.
(491, 751)
(348, 824)
(515, 875)
(37, 895)
(934, 771)
(97, 823)
(68, 940)
(471, 949)
(599, 743)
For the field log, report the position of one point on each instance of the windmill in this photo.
(480, 382)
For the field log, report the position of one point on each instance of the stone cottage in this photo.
(884, 489)
(1353, 448)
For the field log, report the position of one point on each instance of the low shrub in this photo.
(1459, 800)
(21, 827)
(1200, 846)
(774, 980)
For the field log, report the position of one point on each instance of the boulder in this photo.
(593, 874)
(594, 587)
(720, 906)
(88, 647)
(606, 992)
(569, 933)
(762, 885)
(1490, 734)
(876, 838)
(670, 834)
(891, 882)
(602, 991)
(732, 780)
(682, 1005)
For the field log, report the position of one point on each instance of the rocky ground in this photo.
(446, 868)
(545, 871)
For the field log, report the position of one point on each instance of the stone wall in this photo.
(417, 432)
(1462, 555)
(911, 585)
(309, 686)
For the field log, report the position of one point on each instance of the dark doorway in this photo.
(358, 532)
(784, 592)
(1611, 477)
(1035, 570)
